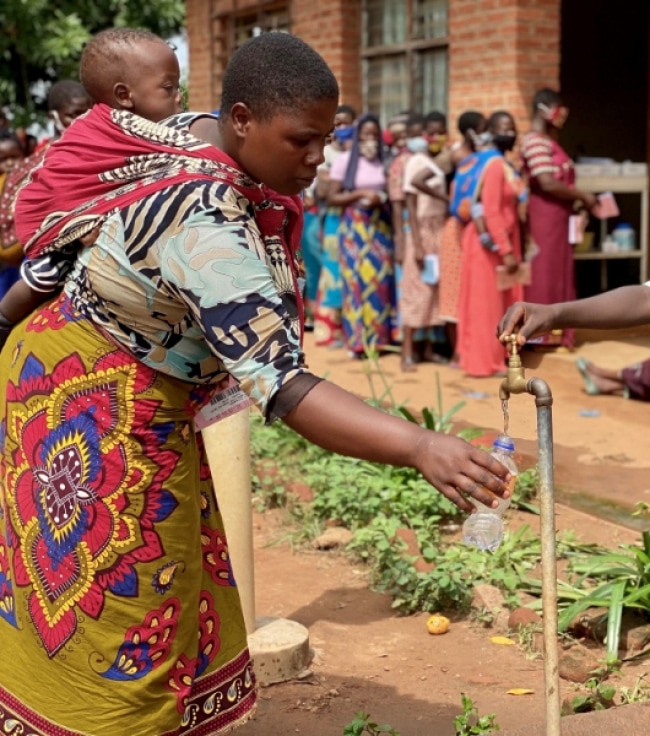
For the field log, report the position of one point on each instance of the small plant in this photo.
(599, 694)
(483, 617)
(362, 724)
(469, 723)
(526, 636)
(624, 582)
(640, 693)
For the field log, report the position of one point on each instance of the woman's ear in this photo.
(122, 95)
(241, 118)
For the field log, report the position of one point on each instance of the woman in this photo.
(328, 331)
(358, 184)
(115, 579)
(488, 251)
(553, 199)
(418, 300)
(470, 125)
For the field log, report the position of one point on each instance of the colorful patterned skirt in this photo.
(118, 609)
(327, 317)
(367, 278)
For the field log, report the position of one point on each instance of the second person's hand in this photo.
(526, 320)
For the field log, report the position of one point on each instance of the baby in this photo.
(126, 69)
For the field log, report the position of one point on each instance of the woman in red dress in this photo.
(552, 199)
(481, 299)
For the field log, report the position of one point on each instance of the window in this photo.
(232, 28)
(258, 20)
(405, 56)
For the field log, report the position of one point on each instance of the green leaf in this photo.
(614, 621)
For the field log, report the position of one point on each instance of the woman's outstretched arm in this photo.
(340, 422)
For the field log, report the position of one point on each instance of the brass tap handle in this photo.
(511, 344)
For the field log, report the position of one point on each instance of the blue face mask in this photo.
(417, 145)
(345, 134)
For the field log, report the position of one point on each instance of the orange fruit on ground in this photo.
(437, 624)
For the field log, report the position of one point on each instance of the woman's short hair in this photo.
(546, 96)
(436, 117)
(471, 120)
(496, 116)
(276, 72)
(62, 93)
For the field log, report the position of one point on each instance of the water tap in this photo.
(515, 381)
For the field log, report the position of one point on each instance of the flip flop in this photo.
(590, 387)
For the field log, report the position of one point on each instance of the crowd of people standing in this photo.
(420, 243)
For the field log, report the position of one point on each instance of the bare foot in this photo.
(604, 384)
(408, 365)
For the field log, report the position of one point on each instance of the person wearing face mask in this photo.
(358, 185)
(553, 199)
(470, 125)
(328, 331)
(418, 300)
(399, 127)
(491, 251)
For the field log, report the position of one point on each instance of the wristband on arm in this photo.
(488, 243)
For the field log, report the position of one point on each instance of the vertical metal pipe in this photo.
(543, 402)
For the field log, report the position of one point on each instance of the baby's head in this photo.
(134, 70)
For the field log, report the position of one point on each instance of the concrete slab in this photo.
(280, 649)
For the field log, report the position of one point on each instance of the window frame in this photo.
(410, 48)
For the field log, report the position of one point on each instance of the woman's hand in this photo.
(510, 262)
(459, 470)
(589, 199)
(527, 320)
(419, 256)
(370, 197)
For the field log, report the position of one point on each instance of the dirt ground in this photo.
(366, 657)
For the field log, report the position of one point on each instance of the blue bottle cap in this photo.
(503, 442)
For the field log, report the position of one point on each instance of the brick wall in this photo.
(500, 53)
(332, 27)
(199, 33)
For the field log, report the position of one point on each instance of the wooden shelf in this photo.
(621, 185)
(599, 255)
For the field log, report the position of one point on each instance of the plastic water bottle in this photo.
(484, 529)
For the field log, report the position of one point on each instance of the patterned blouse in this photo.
(185, 282)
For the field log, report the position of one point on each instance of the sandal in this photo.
(582, 364)
(408, 365)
